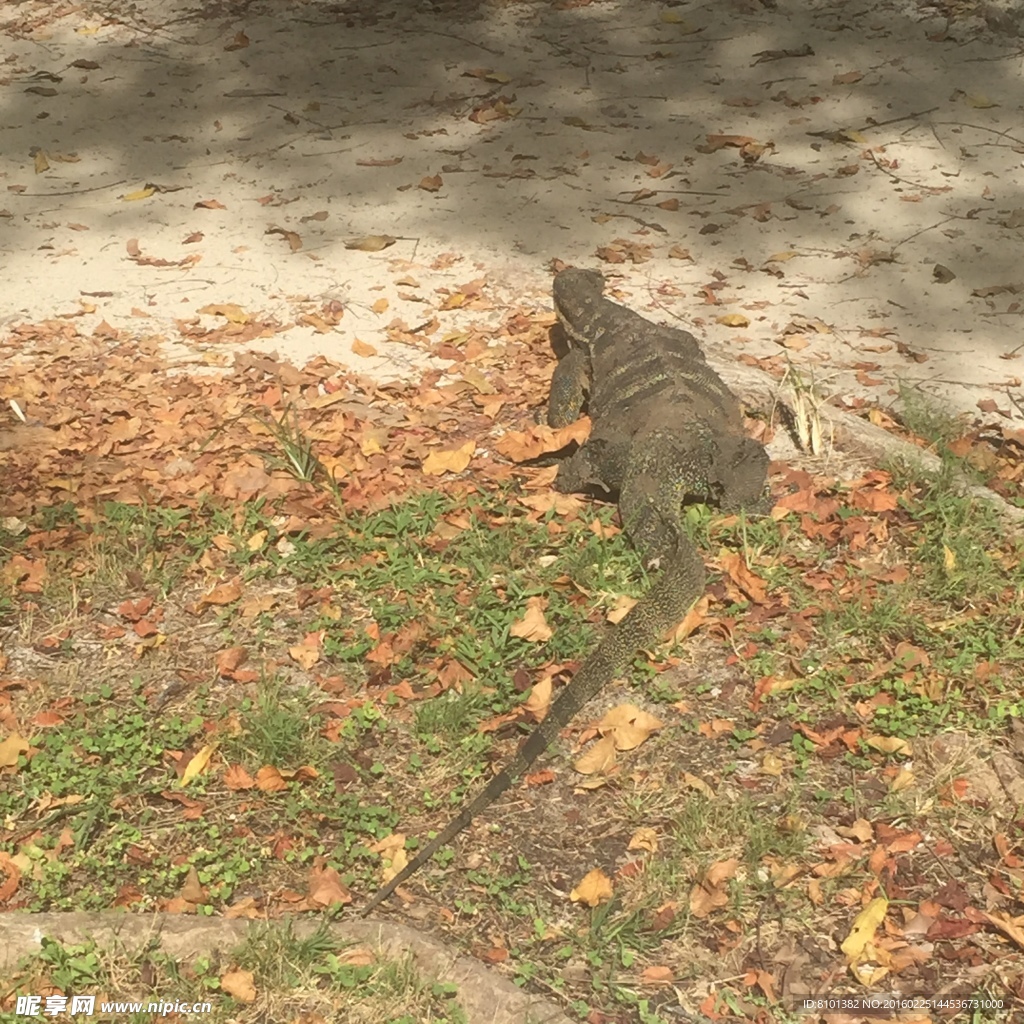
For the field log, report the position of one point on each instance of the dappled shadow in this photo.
(525, 132)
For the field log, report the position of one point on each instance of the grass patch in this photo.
(222, 709)
(274, 974)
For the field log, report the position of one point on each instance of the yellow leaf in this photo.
(540, 698)
(41, 163)
(10, 748)
(864, 928)
(623, 606)
(979, 101)
(948, 559)
(781, 257)
(594, 888)
(197, 764)
(391, 848)
(733, 320)
(363, 348)
(380, 305)
(142, 193)
(674, 18)
(644, 839)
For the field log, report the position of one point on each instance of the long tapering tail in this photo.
(680, 583)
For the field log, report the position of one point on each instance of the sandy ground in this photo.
(830, 182)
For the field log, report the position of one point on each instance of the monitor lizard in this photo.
(666, 431)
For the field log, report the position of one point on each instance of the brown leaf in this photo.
(293, 238)
(599, 757)
(270, 780)
(222, 594)
(192, 890)
(370, 243)
(326, 888)
(236, 778)
(533, 626)
(716, 142)
(439, 463)
(240, 42)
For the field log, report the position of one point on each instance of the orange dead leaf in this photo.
(237, 778)
(1012, 927)
(12, 878)
(239, 985)
(439, 463)
(595, 888)
(228, 661)
(753, 586)
(710, 893)
(657, 976)
(270, 780)
(362, 348)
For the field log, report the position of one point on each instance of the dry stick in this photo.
(881, 124)
(984, 128)
(72, 191)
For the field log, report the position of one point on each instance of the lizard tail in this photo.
(680, 583)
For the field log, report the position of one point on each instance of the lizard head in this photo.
(738, 474)
(577, 297)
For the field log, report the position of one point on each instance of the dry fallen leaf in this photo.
(439, 463)
(370, 243)
(595, 888)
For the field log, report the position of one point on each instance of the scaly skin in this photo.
(666, 432)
